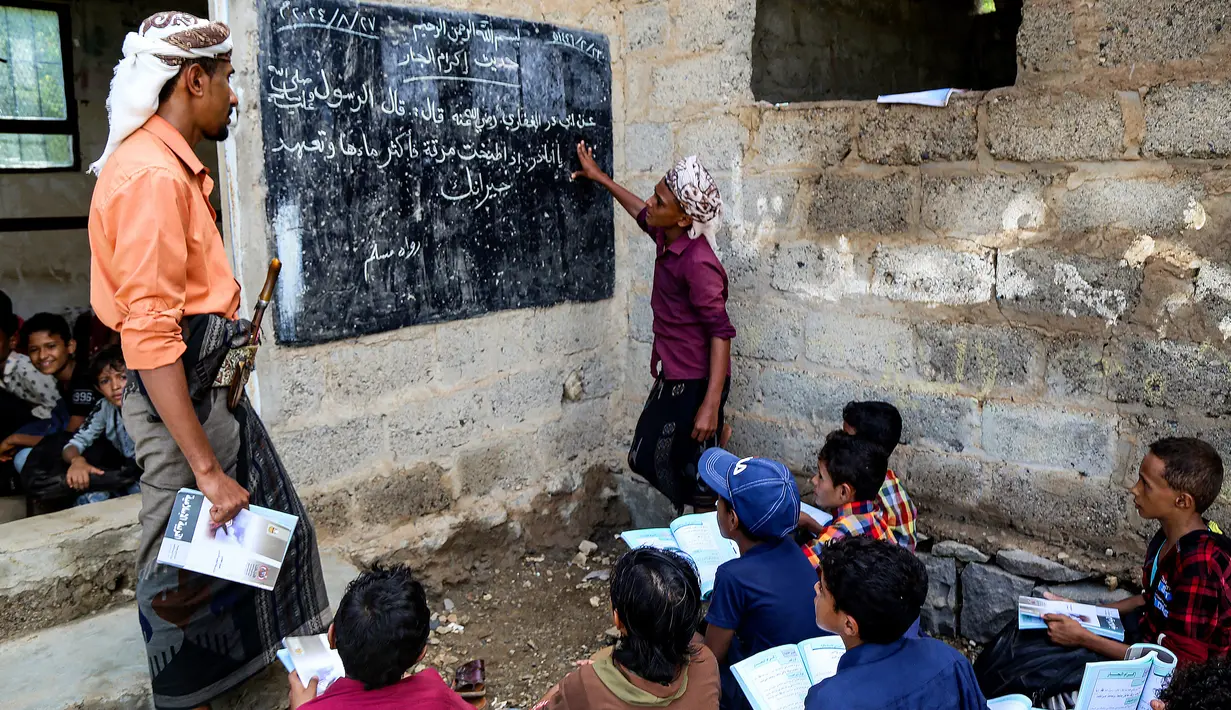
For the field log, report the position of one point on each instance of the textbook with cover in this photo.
(1101, 620)
(311, 657)
(248, 549)
(779, 678)
(1131, 683)
(698, 537)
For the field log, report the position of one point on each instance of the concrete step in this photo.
(98, 662)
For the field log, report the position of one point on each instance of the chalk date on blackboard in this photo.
(418, 165)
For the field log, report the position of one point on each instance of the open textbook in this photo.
(248, 549)
(1101, 620)
(311, 657)
(698, 537)
(1131, 683)
(779, 679)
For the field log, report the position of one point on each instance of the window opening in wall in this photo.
(826, 50)
(38, 122)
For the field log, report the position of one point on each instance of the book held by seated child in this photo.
(1131, 683)
(698, 537)
(1101, 620)
(311, 657)
(779, 678)
(248, 549)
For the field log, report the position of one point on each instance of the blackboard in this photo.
(418, 165)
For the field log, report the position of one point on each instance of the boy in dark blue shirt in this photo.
(763, 598)
(869, 593)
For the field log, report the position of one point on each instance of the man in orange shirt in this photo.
(161, 278)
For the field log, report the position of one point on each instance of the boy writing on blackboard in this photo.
(691, 359)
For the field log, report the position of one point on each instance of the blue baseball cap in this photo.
(762, 491)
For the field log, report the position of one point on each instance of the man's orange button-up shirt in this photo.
(156, 253)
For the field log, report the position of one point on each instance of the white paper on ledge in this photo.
(936, 97)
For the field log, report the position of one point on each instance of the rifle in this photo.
(244, 370)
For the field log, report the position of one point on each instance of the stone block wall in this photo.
(1037, 276)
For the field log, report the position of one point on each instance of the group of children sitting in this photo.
(62, 439)
(855, 577)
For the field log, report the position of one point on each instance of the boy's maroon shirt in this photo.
(424, 690)
(689, 303)
(1188, 595)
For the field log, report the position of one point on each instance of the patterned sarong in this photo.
(205, 636)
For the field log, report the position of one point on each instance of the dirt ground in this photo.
(530, 623)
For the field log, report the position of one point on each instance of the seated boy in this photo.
(104, 421)
(18, 376)
(380, 631)
(763, 598)
(850, 473)
(881, 424)
(1186, 605)
(1198, 686)
(49, 343)
(656, 603)
(869, 592)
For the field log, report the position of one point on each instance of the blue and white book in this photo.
(247, 549)
(1131, 683)
(696, 536)
(1101, 620)
(779, 678)
(311, 657)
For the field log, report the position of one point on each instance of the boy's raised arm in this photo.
(590, 170)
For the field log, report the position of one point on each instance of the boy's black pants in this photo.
(663, 451)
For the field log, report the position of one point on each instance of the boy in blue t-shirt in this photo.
(763, 598)
(869, 592)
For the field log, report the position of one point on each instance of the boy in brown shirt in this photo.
(656, 604)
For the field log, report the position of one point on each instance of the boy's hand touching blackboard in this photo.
(589, 168)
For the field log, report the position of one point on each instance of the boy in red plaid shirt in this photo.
(887, 515)
(1186, 605)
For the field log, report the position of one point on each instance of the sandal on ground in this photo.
(470, 681)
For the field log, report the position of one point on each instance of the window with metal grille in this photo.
(38, 114)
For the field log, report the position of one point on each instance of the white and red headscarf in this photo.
(152, 57)
(697, 193)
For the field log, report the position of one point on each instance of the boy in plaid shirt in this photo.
(881, 424)
(1186, 605)
(849, 476)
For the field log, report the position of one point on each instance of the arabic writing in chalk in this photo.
(462, 32)
(476, 186)
(575, 42)
(407, 250)
(309, 17)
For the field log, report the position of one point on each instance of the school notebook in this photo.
(1101, 620)
(779, 679)
(248, 549)
(697, 536)
(311, 657)
(1131, 683)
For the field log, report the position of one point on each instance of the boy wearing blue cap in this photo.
(764, 598)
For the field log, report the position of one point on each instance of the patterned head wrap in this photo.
(697, 193)
(152, 57)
